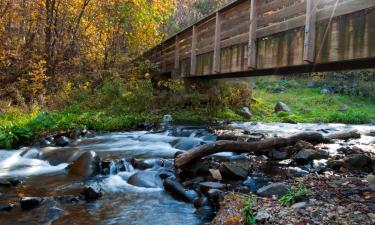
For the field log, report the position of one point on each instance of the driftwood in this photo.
(245, 147)
(345, 135)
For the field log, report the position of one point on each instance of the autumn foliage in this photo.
(44, 43)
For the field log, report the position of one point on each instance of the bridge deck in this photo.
(264, 37)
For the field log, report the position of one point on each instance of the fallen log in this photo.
(345, 135)
(245, 147)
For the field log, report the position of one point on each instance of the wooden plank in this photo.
(344, 8)
(280, 27)
(285, 13)
(252, 36)
(274, 5)
(310, 31)
(193, 56)
(217, 48)
(177, 57)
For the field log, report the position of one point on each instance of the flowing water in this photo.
(43, 172)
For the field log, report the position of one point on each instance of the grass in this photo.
(309, 106)
(294, 195)
(248, 209)
(117, 107)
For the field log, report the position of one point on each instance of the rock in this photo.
(371, 134)
(278, 189)
(249, 182)
(62, 141)
(216, 174)
(6, 207)
(307, 155)
(237, 171)
(278, 155)
(299, 205)
(311, 84)
(325, 91)
(58, 156)
(359, 162)
(54, 213)
(178, 191)
(371, 179)
(44, 143)
(344, 108)
(282, 107)
(296, 172)
(87, 165)
(10, 183)
(91, 193)
(28, 203)
(200, 202)
(206, 186)
(262, 216)
(167, 119)
(246, 113)
(146, 179)
(140, 164)
(215, 196)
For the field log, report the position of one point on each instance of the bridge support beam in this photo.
(252, 47)
(217, 48)
(176, 69)
(193, 58)
(310, 31)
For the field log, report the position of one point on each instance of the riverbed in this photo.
(43, 173)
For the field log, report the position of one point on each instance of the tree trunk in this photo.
(245, 147)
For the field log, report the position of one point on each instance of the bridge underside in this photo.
(271, 37)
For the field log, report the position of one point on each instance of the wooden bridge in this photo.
(265, 37)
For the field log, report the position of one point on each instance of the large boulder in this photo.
(359, 162)
(278, 189)
(178, 191)
(146, 179)
(282, 107)
(87, 165)
(307, 155)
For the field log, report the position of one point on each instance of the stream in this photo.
(43, 174)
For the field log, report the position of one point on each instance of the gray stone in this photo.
(236, 170)
(299, 205)
(325, 91)
(262, 216)
(206, 186)
(86, 165)
(307, 155)
(359, 162)
(146, 179)
(278, 189)
(62, 141)
(245, 112)
(278, 155)
(344, 108)
(296, 172)
(179, 192)
(282, 107)
(30, 202)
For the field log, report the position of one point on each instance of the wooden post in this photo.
(176, 70)
(217, 48)
(251, 53)
(193, 57)
(164, 58)
(310, 31)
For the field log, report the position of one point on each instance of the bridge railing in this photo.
(262, 34)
